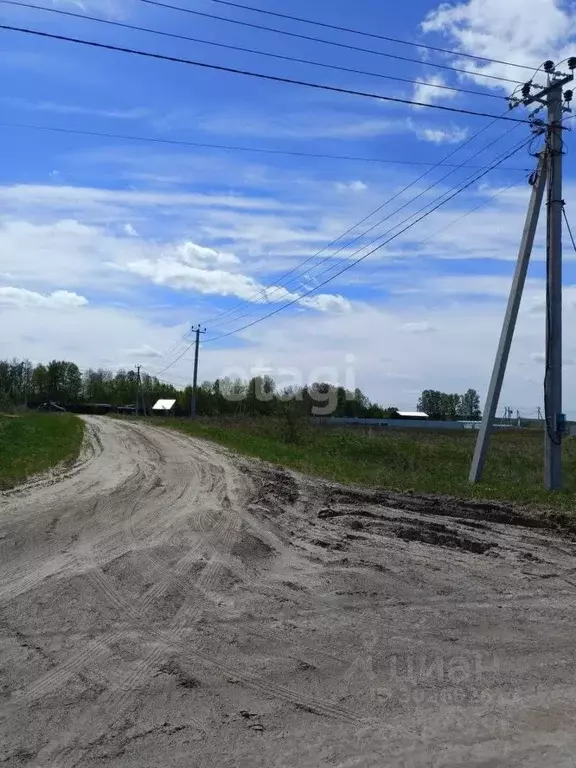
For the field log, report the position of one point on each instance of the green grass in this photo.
(417, 460)
(33, 443)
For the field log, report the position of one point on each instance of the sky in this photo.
(112, 247)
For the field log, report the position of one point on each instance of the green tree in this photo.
(469, 407)
(431, 403)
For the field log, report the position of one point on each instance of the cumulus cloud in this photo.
(505, 31)
(326, 302)
(452, 135)
(351, 186)
(196, 268)
(199, 256)
(181, 276)
(431, 90)
(22, 298)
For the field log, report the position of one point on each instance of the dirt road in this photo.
(166, 604)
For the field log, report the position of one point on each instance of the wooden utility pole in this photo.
(138, 389)
(193, 401)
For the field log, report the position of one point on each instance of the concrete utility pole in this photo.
(553, 378)
(549, 168)
(483, 439)
(198, 331)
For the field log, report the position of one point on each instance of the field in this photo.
(33, 443)
(417, 460)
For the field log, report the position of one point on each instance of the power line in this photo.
(349, 265)
(373, 35)
(421, 242)
(467, 213)
(234, 148)
(365, 256)
(180, 356)
(326, 42)
(255, 51)
(247, 73)
(266, 293)
(568, 227)
(380, 236)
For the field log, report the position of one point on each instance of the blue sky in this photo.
(124, 244)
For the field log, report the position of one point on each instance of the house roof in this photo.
(164, 405)
(413, 414)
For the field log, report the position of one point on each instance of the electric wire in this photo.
(420, 242)
(347, 46)
(376, 248)
(373, 241)
(235, 148)
(176, 359)
(268, 292)
(257, 52)
(248, 73)
(351, 264)
(568, 227)
(364, 33)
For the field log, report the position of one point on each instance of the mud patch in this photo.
(250, 547)
(440, 535)
(444, 506)
(277, 489)
(182, 678)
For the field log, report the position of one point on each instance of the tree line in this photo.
(441, 406)
(62, 382)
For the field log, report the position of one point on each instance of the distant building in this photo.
(165, 407)
(413, 415)
(127, 410)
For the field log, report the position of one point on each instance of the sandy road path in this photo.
(166, 604)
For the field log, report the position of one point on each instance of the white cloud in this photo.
(505, 30)
(89, 200)
(136, 113)
(351, 186)
(144, 351)
(417, 327)
(452, 135)
(461, 356)
(23, 298)
(492, 286)
(432, 91)
(63, 252)
(325, 302)
(115, 9)
(130, 231)
(181, 276)
(330, 125)
(177, 273)
(198, 256)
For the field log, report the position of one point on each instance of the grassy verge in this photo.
(33, 443)
(411, 460)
